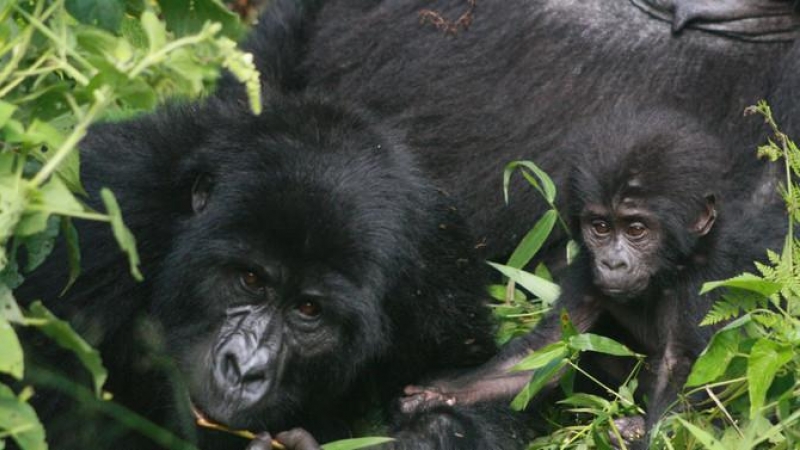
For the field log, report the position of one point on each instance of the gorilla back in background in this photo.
(509, 86)
(307, 263)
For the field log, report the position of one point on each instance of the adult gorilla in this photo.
(300, 269)
(473, 99)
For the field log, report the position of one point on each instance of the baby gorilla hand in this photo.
(423, 398)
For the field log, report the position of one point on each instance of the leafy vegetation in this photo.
(65, 64)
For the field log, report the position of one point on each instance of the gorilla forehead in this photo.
(334, 188)
(661, 155)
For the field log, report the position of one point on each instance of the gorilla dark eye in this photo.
(637, 230)
(252, 281)
(601, 227)
(309, 308)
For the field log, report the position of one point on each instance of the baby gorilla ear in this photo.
(705, 221)
(201, 192)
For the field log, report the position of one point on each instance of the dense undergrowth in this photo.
(65, 64)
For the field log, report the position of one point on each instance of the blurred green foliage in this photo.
(65, 64)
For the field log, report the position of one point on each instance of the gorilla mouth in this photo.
(202, 420)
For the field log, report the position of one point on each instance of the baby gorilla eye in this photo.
(636, 230)
(601, 227)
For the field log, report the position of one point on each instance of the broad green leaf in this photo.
(746, 281)
(183, 20)
(43, 133)
(533, 241)
(705, 438)
(542, 357)
(13, 201)
(19, 421)
(56, 195)
(568, 329)
(11, 357)
(714, 360)
(123, 235)
(542, 272)
(62, 333)
(544, 184)
(583, 400)
(53, 197)
(539, 380)
(39, 246)
(588, 342)
(105, 13)
(357, 443)
(547, 291)
(155, 31)
(766, 358)
(6, 111)
(9, 309)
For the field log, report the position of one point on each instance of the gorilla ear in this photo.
(201, 192)
(705, 222)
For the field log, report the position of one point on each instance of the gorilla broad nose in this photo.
(614, 264)
(243, 369)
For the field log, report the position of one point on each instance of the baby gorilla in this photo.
(645, 194)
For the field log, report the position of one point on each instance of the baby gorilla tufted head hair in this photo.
(642, 192)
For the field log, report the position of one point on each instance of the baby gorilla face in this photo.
(624, 243)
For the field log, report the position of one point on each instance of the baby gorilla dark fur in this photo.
(647, 204)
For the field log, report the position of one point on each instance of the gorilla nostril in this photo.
(254, 377)
(613, 264)
(230, 368)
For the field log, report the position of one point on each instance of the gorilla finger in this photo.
(297, 439)
(262, 441)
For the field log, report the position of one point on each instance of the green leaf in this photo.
(6, 111)
(703, 436)
(547, 291)
(353, 444)
(588, 342)
(533, 241)
(183, 19)
(583, 400)
(544, 184)
(73, 251)
(19, 420)
(11, 357)
(715, 359)
(39, 246)
(572, 251)
(538, 381)
(9, 309)
(746, 281)
(766, 358)
(542, 357)
(155, 31)
(123, 235)
(63, 334)
(105, 13)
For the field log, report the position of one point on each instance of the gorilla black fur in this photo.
(230, 206)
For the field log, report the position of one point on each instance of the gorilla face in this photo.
(271, 295)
